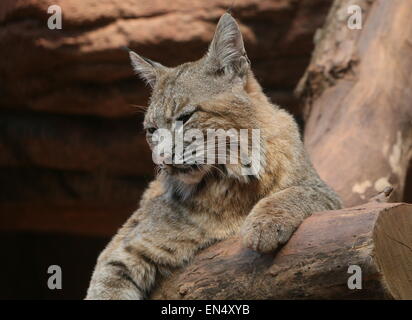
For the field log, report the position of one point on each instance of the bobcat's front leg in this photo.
(153, 241)
(274, 218)
(121, 275)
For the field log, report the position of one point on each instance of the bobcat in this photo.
(187, 208)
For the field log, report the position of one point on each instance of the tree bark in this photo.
(313, 264)
(358, 116)
(358, 100)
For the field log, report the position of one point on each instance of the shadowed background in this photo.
(73, 157)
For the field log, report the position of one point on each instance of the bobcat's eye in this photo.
(185, 117)
(151, 130)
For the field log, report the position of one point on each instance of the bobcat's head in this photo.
(215, 92)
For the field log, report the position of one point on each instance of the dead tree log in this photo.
(358, 100)
(313, 264)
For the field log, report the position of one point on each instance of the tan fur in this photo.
(182, 212)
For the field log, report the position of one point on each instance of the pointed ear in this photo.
(226, 49)
(147, 69)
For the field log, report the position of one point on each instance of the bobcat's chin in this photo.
(191, 177)
(187, 174)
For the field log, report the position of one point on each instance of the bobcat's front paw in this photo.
(264, 233)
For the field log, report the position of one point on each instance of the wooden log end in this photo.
(392, 237)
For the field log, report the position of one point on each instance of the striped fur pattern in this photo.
(187, 208)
